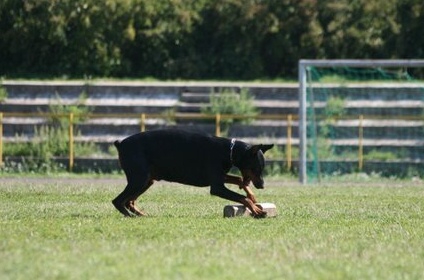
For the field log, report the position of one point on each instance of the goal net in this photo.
(361, 117)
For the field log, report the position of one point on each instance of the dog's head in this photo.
(252, 165)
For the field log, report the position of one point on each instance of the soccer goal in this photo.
(361, 116)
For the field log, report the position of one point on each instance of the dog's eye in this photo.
(257, 169)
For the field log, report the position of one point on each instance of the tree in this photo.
(358, 28)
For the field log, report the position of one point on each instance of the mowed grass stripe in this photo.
(69, 230)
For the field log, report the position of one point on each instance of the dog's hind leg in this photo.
(138, 182)
(121, 201)
(125, 201)
(130, 205)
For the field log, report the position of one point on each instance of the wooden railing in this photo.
(218, 119)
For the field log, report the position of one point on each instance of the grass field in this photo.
(68, 229)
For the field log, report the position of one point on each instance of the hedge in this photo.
(200, 39)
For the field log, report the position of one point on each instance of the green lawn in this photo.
(68, 229)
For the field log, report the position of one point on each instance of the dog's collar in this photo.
(233, 143)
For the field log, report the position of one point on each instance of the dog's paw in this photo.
(256, 211)
(261, 215)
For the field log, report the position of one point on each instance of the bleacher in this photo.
(116, 109)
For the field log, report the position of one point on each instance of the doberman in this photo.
(189, 158)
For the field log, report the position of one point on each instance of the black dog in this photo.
(192, 159)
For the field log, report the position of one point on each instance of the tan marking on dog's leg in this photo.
(250, 195)
(133, 208)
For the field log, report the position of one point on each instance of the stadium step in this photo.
(122, 103)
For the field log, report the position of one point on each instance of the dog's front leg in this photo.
(221, 191)
(235, 180)
(239, 182)
(250, 194)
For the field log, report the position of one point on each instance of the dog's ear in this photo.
(255, 148)
(265, 148)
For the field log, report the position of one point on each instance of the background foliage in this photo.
(203, 39)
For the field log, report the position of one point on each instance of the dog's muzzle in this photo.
(258, 183)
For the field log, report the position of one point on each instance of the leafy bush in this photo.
(335, 108)
(3, 93)
(60, 111)
(381, 156)
(52, 140)
(204, 39)
(230, 102)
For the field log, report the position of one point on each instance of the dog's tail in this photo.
(117, 143)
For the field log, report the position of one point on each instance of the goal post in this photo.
(316, 121)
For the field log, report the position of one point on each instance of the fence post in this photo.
(289, 142)
(143, 122)
(360, 143)
(1, 139)
(303, 174)
(71, 141)
(218, 124)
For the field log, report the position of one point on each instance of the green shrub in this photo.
(52, 140)
(334, 108)
(60, 111)
(229, 102)
(3, 93)
(381, 156)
